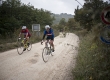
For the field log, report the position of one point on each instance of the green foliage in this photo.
(62, 22)
(14, 14)
(92, 60)
(72, 24)
(89, 15)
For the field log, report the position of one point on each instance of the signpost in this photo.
(105, 16)
(36, 27)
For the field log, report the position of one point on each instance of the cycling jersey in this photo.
(49, 36)
(25, 31)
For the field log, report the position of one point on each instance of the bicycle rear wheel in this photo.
(29, 46)
(45, 55)
(20, 47)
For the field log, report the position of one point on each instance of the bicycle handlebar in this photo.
(21, 38)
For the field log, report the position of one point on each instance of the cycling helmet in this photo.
(47, 26)
(24, 27)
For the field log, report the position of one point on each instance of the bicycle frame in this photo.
(48, 44)
(24, 41)
(23, 44)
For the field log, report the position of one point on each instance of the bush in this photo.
(93, 60)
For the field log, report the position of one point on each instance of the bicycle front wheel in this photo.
(45, 55)
(20, 47)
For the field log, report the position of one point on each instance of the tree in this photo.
(71, 23)
(89, 15)
(14, 14)
(62, 23)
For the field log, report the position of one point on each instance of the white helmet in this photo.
(24, 27)
(47, 26)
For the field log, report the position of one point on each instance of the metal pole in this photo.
(79, 3)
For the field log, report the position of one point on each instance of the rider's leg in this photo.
(26, 42)
(51, 43)
(28, 38)
(46, 42)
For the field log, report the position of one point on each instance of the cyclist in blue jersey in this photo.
(50, 36)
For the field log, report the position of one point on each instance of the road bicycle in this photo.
(23, 44)
(47, 51)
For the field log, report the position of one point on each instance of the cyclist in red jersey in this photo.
(26, 33)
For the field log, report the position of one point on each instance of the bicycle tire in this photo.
(29, 47)
(45, 55)
(20, 47)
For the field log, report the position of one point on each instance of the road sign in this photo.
(105, 15)
(35, 27)
(105, 35)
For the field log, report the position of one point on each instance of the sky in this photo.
(56, 6)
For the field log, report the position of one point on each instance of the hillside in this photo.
(58, 17)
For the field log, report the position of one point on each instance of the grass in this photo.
(8, 45)
(93, 60)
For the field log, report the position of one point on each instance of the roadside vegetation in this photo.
(93, 60)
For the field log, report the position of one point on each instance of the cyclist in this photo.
(50, 36)
(27, 35)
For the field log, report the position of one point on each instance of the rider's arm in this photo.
(44, 35)
(20, 33)
(26, 35)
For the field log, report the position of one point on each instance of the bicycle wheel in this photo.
(20, 47)
(45, 54)
(29, 46)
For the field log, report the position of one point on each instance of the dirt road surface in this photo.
(30, 66)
